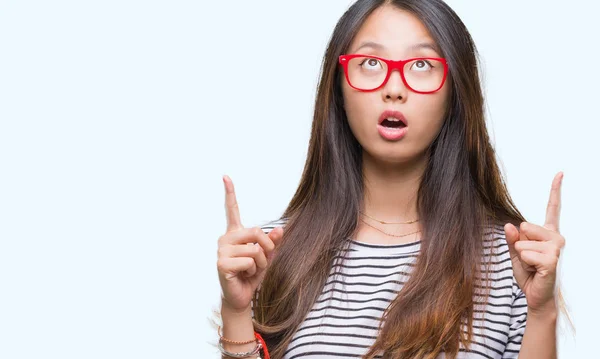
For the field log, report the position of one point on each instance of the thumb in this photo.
(275, 235)
(512, 236)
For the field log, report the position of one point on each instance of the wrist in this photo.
(229, 311)
(237, 325)
(548, 311)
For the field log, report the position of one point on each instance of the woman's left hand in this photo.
(534, 251)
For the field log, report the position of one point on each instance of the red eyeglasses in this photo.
(369, 73)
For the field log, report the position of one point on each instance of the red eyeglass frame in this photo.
(391, 66)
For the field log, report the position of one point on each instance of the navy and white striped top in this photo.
(344, 320)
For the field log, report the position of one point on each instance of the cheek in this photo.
(429, 112)
(359, 109)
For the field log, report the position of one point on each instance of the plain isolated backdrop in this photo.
(119, 118)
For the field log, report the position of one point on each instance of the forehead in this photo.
(398, 31)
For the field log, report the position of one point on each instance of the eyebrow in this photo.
(422, 45)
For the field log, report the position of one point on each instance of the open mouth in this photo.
(392, 123)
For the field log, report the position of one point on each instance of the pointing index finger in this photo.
(232, 210)
(553, 209)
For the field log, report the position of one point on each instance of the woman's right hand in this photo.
(244, 255)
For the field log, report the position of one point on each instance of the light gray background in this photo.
(118, 119)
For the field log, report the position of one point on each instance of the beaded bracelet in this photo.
(233, 341)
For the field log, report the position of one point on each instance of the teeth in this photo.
(392, 119)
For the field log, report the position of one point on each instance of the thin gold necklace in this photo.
(389, 234)
(383, 222)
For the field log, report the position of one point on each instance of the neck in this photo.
(390, 192)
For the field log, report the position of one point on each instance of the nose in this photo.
(394, 89)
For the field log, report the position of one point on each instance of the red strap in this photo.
(264, 345)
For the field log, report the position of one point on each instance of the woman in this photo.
(401, 240)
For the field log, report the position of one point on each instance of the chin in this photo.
(395, 154)
(398, 156)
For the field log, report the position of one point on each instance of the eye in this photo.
(421, 65)
(371, 64)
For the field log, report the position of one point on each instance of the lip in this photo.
(394, 114)
(388, 133)
(391, 134)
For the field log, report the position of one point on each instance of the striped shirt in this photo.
(343, 322)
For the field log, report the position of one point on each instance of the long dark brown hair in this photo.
(462, 193)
